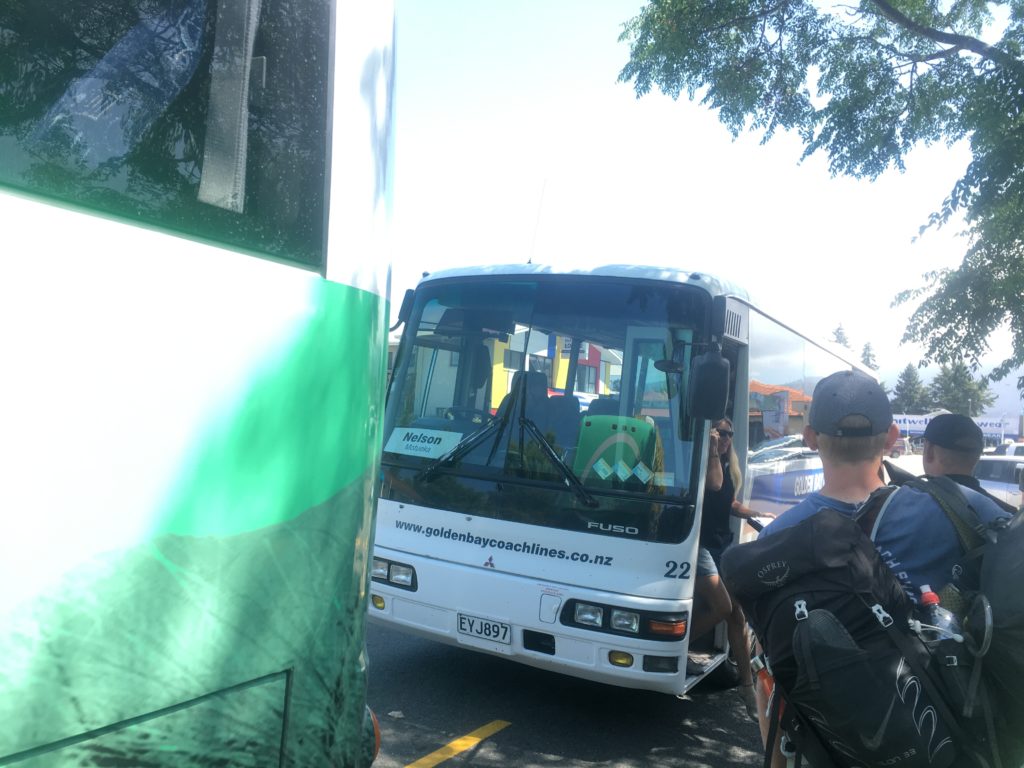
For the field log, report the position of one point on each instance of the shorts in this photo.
(708, 561)
(706, 565)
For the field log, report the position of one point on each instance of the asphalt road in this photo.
(489, 711)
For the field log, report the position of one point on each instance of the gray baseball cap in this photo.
(849, 393)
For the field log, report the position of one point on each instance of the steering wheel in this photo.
(474, 415)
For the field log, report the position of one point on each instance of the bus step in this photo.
(697, 662)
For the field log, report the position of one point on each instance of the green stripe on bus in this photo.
(300, 433)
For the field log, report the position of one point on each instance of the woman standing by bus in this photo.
(721, 482)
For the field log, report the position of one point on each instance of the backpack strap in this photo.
(897, 475)
(805, 738)
(868, 512)
(923, 674)
(971, 532)
(773, 727)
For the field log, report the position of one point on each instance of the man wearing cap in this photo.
(952, 446)
(850, 425)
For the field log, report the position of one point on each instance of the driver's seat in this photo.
(536, 397)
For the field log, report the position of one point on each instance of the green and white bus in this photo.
(194, 197)
(545, 448)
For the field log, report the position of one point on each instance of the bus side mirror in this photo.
(709, 385)
(405, 310)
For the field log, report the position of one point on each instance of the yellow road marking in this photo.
(461, 744)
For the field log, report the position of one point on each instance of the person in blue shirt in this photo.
(850, 424)
(953, 443)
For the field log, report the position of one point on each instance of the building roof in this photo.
(795, 395)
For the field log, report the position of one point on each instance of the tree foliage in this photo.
(864, 83)
(910, 395)
(839, 337)
(954, 389)
(867, 356)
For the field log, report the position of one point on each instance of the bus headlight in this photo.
(619, 620)
(396, 574)
(625, 621)
(380, 569)
(591, 615)
(402, 575)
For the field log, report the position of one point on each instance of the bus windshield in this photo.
(550, 400)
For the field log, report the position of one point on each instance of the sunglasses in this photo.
(726, 433)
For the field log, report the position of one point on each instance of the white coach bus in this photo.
(545, 448)
(193, 218)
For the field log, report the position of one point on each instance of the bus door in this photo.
(655, 396)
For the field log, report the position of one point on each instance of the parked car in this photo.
(785, 453)
(1001, 476)
(901, 447)
(1009, 449)
(769, 446)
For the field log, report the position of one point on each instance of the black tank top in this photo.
(715, 532)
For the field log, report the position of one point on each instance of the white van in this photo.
(1001, 476)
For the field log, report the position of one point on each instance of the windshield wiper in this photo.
(464, 446)
(567, 474)
(471, 441)
(498, 428)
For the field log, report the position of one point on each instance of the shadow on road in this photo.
(427, 694)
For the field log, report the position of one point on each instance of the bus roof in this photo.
(714, 285)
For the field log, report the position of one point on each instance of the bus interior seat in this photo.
(536, 396)
(564, 411)
(603, 406)
(480, 373)
(609, 444)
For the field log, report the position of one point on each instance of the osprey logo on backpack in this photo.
(774, 574)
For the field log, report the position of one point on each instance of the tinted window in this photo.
(997, 471)
(784, 368)
(201, 117)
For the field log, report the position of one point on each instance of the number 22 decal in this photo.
(677, 570)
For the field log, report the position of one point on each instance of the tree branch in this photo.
(964, 42)
(739, 20)
(945, 53)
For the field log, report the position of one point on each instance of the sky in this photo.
(514, 141)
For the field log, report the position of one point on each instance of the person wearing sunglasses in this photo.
(721, 483)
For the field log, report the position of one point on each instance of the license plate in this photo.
(486, 629)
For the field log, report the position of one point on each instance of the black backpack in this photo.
(989, 599)
(855, 686)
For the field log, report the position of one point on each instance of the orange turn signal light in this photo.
(668, 628)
